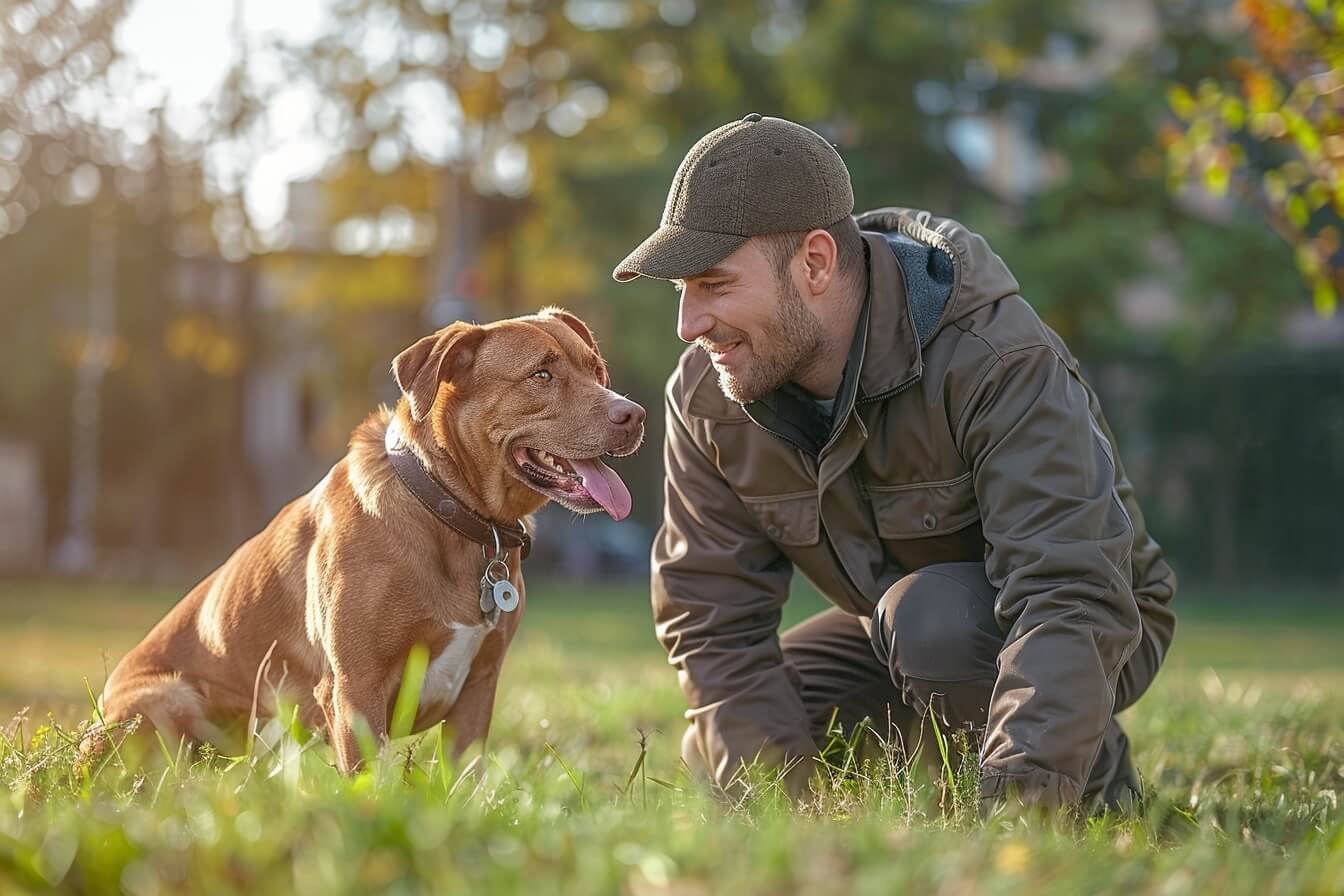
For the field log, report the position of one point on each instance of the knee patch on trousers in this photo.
(937, 624)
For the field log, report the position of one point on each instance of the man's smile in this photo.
(724, 354)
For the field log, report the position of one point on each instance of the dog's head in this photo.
(522, 407)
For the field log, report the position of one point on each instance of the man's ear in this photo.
(432, 360)
(573, 323)
(820, 258)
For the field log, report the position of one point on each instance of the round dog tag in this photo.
(506, 596)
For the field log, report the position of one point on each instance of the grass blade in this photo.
(573, 778)
(408, 695)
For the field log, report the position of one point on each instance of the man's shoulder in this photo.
(994, 331)
(693, 389)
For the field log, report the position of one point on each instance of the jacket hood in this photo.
(978, 276)
(923, 272)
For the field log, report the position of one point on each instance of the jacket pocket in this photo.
(924, 509)
(787, 519)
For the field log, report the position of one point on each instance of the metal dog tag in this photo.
(506, 596)
(488, 599)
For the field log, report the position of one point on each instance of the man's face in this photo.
(754, 324)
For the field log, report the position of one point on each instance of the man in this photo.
(870, 401)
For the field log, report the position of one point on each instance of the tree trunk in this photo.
(457, 249)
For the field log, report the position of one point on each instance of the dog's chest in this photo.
(448, 671)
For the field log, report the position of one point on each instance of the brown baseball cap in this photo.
(750, 177)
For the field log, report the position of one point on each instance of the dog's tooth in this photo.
(549, 460)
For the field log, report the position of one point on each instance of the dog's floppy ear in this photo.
(432, 360)
(573, 323)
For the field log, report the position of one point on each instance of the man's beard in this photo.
(784, 349)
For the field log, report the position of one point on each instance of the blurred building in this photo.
(296, 410)
(22, 506)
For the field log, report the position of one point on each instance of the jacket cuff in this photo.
(1034, 787)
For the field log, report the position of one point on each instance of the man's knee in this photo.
(937, 624)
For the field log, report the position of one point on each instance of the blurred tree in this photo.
(492, 156)
(455, 86)
(53, 58)
(122, 352)
(1103, 250)
(1270, 126)
(236, 130)
(354, 280)
(54, 61)
(54, 64)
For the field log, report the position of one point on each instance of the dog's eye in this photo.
(543, 375)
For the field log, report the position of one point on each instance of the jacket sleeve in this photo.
(718, 586)
(1058, 549)
(1154, 586)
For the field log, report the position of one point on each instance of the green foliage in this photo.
(1271, 126)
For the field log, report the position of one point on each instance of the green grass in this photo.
(1240, 741)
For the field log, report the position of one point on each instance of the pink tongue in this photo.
(605, 486)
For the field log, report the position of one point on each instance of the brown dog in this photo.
(335, 592)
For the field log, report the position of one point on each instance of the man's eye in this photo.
(543, 375)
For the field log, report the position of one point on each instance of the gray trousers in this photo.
(932, 644)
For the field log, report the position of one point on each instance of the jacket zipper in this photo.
(779, 435)
(893, 392)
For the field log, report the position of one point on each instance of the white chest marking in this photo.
(448, 671)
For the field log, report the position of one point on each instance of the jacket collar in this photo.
(979, 276)
(890, 356)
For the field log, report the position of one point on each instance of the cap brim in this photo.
(673, 252)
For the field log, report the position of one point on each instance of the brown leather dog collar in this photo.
(450, 510)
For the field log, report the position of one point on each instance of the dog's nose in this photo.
(624, 412)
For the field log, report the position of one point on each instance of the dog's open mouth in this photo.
(581, 484)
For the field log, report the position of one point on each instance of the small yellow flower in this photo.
(1012, 858)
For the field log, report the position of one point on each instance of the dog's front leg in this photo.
(469, 719)
(357, 707)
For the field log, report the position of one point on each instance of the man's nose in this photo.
(692, 323)
(624, 412)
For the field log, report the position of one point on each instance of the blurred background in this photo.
(220, 220)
